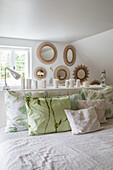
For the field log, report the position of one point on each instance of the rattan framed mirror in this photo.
(69, 55)
(40, 73)
(47, 53)
(81, 72)
(61, 73)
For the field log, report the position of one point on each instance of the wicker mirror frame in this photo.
(40, 56)
(77, 69)
(72, 48)
(38, 69)
(61, 68)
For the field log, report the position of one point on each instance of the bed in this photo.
(57, 151)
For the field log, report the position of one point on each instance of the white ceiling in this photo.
(55, 20)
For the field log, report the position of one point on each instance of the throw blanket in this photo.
(62, 151)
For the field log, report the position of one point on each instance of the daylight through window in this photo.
(16, 59)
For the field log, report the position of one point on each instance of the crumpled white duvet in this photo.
(62, 151)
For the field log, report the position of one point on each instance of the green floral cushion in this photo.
(74, 98)
(46, 115)
(16, 110)
(106, 93)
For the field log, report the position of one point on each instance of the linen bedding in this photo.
(57, 151)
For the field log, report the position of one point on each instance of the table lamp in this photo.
(14, 74)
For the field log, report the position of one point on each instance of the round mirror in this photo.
(81, 72)
(69, 55)
(40, 73)
(62, 73)
(47, 53)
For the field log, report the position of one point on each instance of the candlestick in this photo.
(66, 83)
(86, 84)
(22, 83)
(28, 83)
(55, 83)
(43, 83)
(78, 83)
(72, 82)
(35, 84)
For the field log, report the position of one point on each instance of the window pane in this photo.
(5, 54)
(20, 62)
(20, 55)
(19, 66)
(5, 61)
(16, 59)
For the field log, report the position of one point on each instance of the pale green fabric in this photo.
(16, 110)
(106, 93)
(74, 99)
(46, 115)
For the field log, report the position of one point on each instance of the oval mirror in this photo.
(40, 73)
(47, 53)
(81, 72)
(69, 55)
(62, 73)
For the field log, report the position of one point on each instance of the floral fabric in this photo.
(106, 93)
(16, 110)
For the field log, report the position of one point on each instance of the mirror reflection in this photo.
(69, 55)
(40, 73)
(81, 74)
(47, 53)
(62, 74)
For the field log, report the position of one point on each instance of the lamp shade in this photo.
(14, 74)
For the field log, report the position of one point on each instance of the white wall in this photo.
(96, 53)
(35, 62)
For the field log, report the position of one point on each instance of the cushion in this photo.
(106, 93)
(99, 107)
(83, 121)
(16, 112)
(46, 115)
(74, 99)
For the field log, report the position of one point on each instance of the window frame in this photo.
(28, 73)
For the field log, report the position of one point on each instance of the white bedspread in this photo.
(62, 151)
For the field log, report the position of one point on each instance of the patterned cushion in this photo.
(74, 99)
(46, 115)
(106, 93)
(83, 121)
(16, 110)
(99, 106)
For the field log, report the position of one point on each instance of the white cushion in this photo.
(99, 106)
(16, 112)
(83, 121)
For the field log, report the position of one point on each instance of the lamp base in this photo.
(6, 88)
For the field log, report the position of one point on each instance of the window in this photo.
(18, 59)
